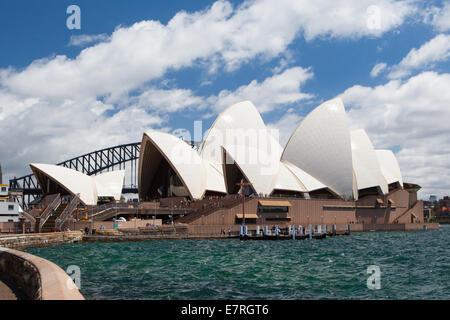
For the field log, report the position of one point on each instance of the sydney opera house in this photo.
(326, 174)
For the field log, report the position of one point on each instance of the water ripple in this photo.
(414, 265)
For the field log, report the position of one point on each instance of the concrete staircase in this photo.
(406, 212)
(210, 206)
(49, 225)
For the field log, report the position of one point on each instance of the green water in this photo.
(414, 265)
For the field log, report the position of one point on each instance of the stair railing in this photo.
(42, 219)
(67, 211)
(406, 212)
(28, 216)
(104, 212)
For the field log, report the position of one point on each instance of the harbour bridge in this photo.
(109, 159)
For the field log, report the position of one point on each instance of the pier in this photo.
(291, 233)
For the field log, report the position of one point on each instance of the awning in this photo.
(247, 216)
(339, 206)
(379, 201)
(274, 203)
(391, 201)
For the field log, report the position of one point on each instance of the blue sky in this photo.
(313, 58)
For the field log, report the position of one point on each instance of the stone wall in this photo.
(301, 211)
(401, 227)
(36, 278)
(80, 225)
(23, 241)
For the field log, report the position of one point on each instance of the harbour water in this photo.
(413, 265)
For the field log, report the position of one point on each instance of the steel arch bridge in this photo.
(91, 164)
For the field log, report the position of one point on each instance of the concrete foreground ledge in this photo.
(37, 278)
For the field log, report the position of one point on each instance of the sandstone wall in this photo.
(37, 278)
(23, 241)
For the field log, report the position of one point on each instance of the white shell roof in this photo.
(250, 160)
(241, 131)
(389, 166)
(184, 160)
(309, 182)
(109, 184)
(214, 177)
(73, 181)
(233, 121)
(287, 180)
(365, 162)
(321, 146)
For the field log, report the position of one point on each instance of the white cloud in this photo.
(86, 39)
(166, 101)
(286, 126)
(379, 67)
(221, 34)
(278, 90)
(414, 115)
(439, 17)
(433, 51)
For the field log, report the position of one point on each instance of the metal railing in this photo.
(67, 211)
(105, 214)
(406, 212)
(52, 206)
(210, 207)
(28, 216)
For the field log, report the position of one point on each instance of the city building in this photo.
(9, 209)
